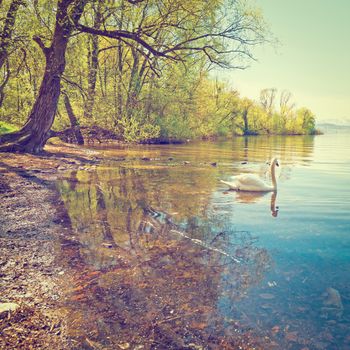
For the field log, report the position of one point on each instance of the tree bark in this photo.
(4, 83)
(120, 85)
(5, 41)
(148, 107)
(120, 65)
(6, 34)
(136, 83)
(93, 65)
(92, 77)
(36, 131)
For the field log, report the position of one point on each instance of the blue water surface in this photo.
(301, 294)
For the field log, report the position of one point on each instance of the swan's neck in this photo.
(273, 176)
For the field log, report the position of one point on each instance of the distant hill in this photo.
(331, 128)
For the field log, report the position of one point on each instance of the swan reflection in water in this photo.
(254, 197)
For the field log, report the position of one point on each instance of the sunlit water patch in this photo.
(155, 226)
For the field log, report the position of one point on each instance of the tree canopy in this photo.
(139, 68)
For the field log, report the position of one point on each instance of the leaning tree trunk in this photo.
(79, 139)
(36, 131)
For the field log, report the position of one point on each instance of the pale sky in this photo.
(312, 60)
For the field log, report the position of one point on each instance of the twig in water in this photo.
(206, 246)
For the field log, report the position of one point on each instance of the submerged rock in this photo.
(332, 304)
(333, 298)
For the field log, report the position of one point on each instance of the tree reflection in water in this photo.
(139, 279)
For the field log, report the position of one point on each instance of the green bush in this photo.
(6, 128)
(136, 131)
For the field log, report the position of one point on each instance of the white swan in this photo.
(252, 182)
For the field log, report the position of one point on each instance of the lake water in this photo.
(166, 258)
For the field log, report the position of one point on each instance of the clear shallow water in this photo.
(291, 248)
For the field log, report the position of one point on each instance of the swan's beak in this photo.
(277, 163)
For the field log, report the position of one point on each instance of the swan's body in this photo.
(252, 182)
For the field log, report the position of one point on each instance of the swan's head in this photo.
(274, 161)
